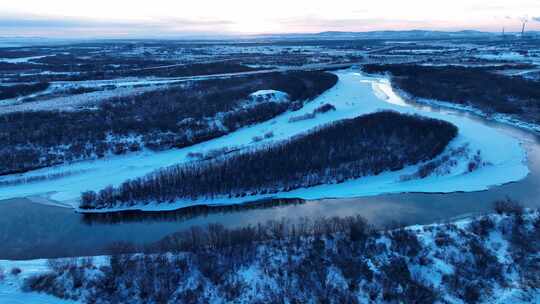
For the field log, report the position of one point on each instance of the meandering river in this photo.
(31, 230)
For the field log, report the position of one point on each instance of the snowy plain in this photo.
(22, 59)
(355, 94)
(10, 286)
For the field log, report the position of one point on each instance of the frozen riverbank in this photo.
(489, 258)
(354, 95)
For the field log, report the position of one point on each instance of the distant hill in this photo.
(19, 41)
(409, 34)
(328, 35)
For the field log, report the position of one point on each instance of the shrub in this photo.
(508, 207)
(42, 283)
(442, 239)
(405, 242)
(133, 147)
(325, 108)
(21, 90)
(87, 199)
(482, 227)
(15, 271)
(471, 294)
(301, 117)
(359, 230)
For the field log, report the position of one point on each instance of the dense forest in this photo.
(178, 116)
(111, 68)
(480, 87)
(329, 260)
(12, 91)
(348, 149)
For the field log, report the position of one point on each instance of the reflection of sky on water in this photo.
(30, 230)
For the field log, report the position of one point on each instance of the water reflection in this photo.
(29, 230)
(183, 214)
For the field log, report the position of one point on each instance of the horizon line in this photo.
(216, 35)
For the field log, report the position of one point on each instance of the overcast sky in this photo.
(118, 18)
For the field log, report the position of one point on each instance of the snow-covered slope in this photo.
(487, 259)
(269, 95)
(10, 285)
(354, 94)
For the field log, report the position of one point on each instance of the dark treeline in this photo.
(191, 70)
(175, 117)
(327, 260)
(480, 87)
(348, 149)
(18, 90)
(111, 68)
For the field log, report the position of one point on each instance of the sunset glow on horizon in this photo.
(62, 18)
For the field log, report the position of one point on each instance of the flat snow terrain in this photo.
(10, 287)
(355, 94)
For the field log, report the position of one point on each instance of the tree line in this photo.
(348, 149)
(18, 90)
(174, 117)
(325, 260)
(481, 87)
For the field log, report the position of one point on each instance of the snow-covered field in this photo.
(22, 59)
(71, 102)
(10, 286)
(355, 94)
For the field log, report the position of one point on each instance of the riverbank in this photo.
(498, 117)
(354, 95)
(485, 259)
(357, 94)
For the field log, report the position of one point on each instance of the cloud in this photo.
(41, 25)
(313, 24)
(487, 8)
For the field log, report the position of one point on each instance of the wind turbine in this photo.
(524, 21)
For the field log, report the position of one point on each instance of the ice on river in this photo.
(355, 94)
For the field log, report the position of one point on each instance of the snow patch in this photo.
(269, 95)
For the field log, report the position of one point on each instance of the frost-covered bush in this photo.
(482, 227)
(328, 260)
(15, 271)
(320, 110)
(324, 108)
(298, 118)
(508, 206)
(257, 139)
(405, 242)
